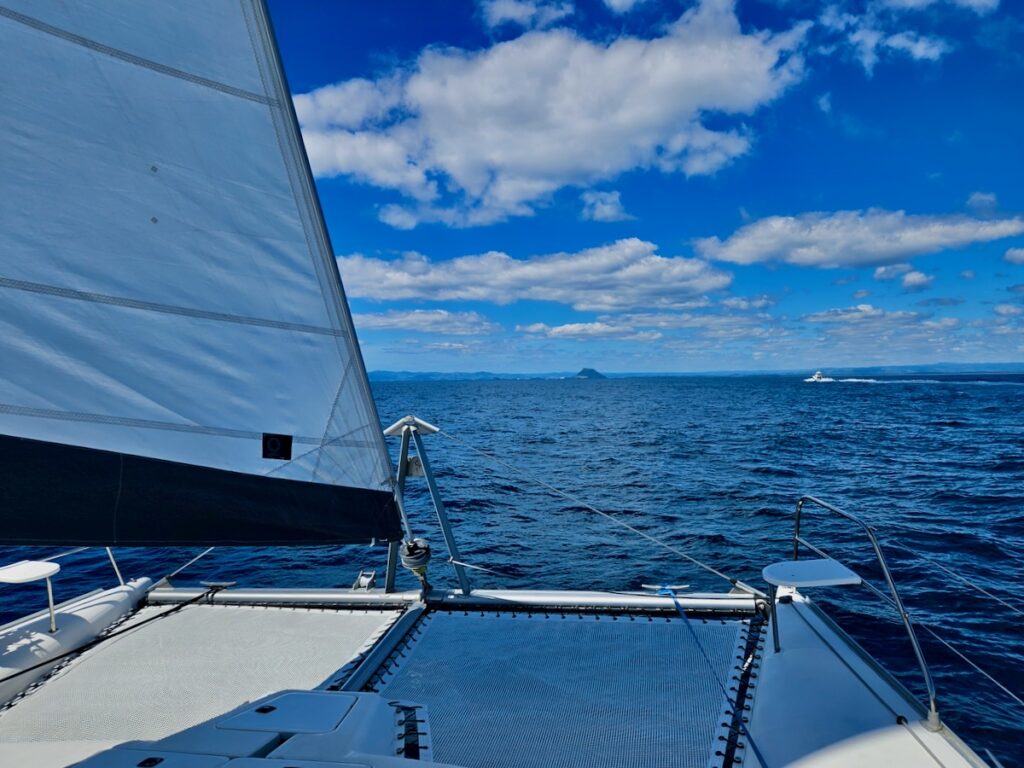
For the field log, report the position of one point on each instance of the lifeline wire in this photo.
(898, 527)
(734, 582)
(889, 601)
(964, 579)
(575, 500)
(995, 682)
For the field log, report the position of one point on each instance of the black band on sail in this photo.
(52, 493)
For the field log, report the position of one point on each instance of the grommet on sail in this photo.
(168, 292)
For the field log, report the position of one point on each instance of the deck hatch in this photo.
(504, 689)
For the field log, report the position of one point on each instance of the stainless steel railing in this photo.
(893, 598)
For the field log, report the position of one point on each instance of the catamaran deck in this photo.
(173, 672)
(484, 681)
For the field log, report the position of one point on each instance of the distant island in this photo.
(589, 373)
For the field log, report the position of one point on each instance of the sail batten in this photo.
(168, 288)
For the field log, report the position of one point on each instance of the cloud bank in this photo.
(621, 276)
(474, 137)
(852, 238)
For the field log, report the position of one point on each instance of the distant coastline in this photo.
(934, 369)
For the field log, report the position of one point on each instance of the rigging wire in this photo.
(506, 575)
(959, 653)
(889, 601)
(65, 553)
(194, 560)
(962, 578)
(622, 523)
(569, 497)
(517, 471)
(891, 526)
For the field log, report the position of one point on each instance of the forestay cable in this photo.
(622, 523)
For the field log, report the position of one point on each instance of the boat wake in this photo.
(978, 382)
(820, 380)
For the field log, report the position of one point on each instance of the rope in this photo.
(622, 523)
(711, 667)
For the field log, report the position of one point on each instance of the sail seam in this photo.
(170, 309)
(127, 421)
(131, 58)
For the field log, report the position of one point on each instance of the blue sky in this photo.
(635, 185)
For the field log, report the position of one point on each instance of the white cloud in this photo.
(869, 35)
(624, 275)
(449, 346)
(857, 314)
(941, 324)
(863, 293)
(1014, 255)
(968, 274)
(982, 202)
(474, 137)
(1008, 310)
(622, 6)
(917, 47)
(891, 272)
(379, 158)
(978, 6)
(590, 331)
(752, 302)
(603, 206)
(916, 281)
(852, 238)
(825, 103)
(439, 321)
(350, 104)
(720, 327)
(528, 14)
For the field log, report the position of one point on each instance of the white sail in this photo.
(167, 285)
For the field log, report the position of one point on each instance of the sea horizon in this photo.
(936, 369)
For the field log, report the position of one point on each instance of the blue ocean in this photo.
(712, 466)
